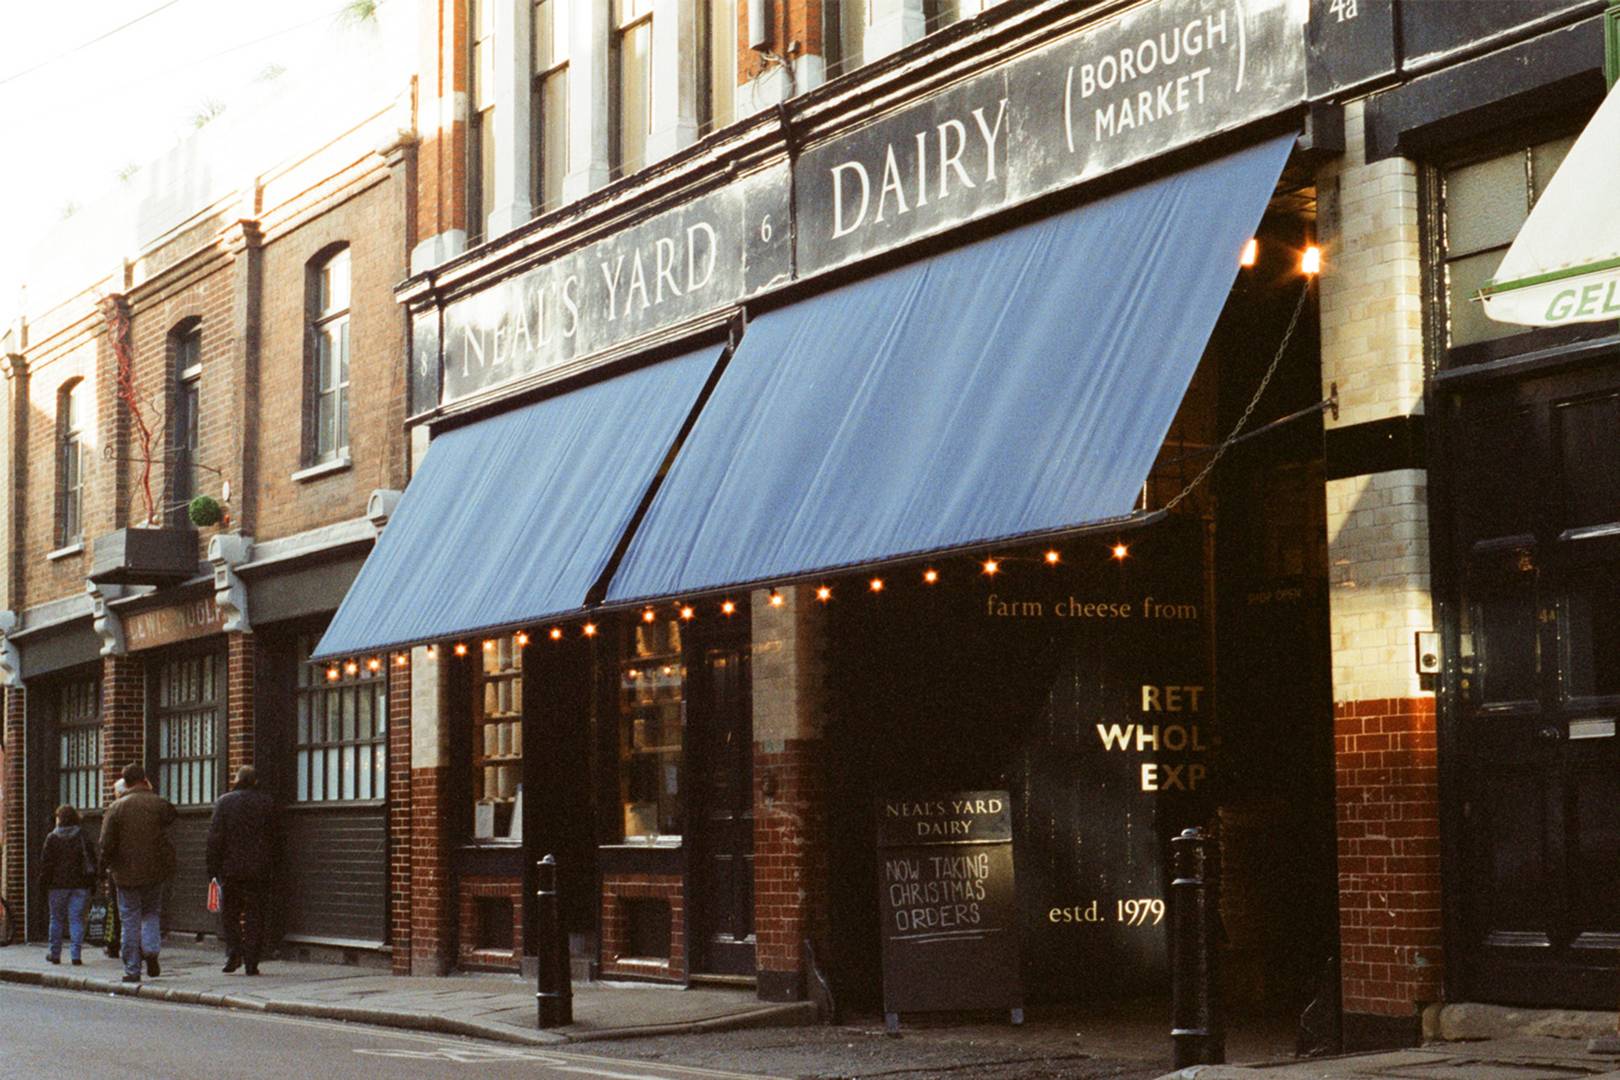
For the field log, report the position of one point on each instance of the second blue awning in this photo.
(1020, 384)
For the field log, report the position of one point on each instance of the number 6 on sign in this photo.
(765, 229)
(1138, 912)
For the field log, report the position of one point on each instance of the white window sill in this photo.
(75, 548)
(325, 468)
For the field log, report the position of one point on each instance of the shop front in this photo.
(867, 479)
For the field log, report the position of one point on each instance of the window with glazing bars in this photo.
(497, 757)
(189, 695)
(552, 34)
(70, 464)
(329, 334)
(342, 736)
(632, 53)
(78, 744)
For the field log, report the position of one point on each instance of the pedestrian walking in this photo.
(67, 873)
(135, 847)
(241, 857)
(115, 943)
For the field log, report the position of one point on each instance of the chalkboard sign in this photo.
(948, 904)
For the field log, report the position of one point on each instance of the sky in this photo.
(91, 92)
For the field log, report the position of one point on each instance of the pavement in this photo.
(729, 1027)
(498, 1007)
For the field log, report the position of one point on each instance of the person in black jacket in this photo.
(67, 873)
(241, 856)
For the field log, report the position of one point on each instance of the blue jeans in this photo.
(140, 909)
(67, 906)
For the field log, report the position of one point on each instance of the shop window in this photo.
(190, 693)
(497, 743)
(652, 719)
(843, 34)
(341, 749)
(632, 68)
(553, 32)
(70, 420)
(481, 120)
(78, 744)
(1485, 204)
(328, 292)
(717, 42)
(185, 426)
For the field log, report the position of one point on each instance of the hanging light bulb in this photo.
(332, 674)
(728, 607)
(1251, 253)
(823, 593)
(1120, 551)
(1053, 557)
(432, 652)
(401, 660)
(522, 638)
(555, 633)
(992, 567)
(589, 629)
(648, 616)
(776, 599)
(374, 664)
(876, 584)
(930, 576)
(687, 613)
(461, 648)
(351, 668)
(1310, 263)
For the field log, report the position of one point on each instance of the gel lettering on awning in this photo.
(514, 518)
(1564, 266)
(1018, 384)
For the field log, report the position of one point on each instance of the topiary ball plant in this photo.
(205, 510)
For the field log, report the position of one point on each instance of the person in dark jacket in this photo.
(67, 873)
(241, 856)
(135, 847)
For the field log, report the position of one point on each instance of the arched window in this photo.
(328, 410)
(185, 426)
(70, 420)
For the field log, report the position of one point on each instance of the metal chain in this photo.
(1243, 420)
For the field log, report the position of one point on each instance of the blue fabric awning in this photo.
(1019, 384)
(514, 518)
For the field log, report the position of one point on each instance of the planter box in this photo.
(144, 557)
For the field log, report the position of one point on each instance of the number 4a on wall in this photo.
(1342, 10)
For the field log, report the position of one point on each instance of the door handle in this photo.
(1549, 734)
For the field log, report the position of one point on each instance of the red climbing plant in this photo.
(118, 334)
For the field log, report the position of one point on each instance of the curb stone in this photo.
(784, 1015)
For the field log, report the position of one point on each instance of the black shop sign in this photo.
(948, 902)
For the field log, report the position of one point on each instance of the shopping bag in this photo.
(95, 921)
(213, 894)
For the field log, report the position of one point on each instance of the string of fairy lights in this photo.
(1310, 265)
(688, 610)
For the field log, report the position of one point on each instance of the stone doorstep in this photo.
(1468, 1022)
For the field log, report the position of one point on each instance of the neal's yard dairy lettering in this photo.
(1157, 77)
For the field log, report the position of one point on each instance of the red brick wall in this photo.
(789, 853)
(123, 716)
(399, 812)
(239, 726)
(1389, 855)
(803, 29)
(15, 883)
(471, 890)
(369, 221)
(617, 888)
(432, 890)
(442, 157)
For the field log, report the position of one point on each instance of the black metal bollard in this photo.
(1196, 1033)
(554, 995)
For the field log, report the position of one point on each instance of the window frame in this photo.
(671, 664)
(498, 662)
(342, 757)
(480, 118)
(549, 72)
(78, 730)
(184, 438)
(323, 319)
(628, 17)
(69, 528)
(189, 775)
(715, 71)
